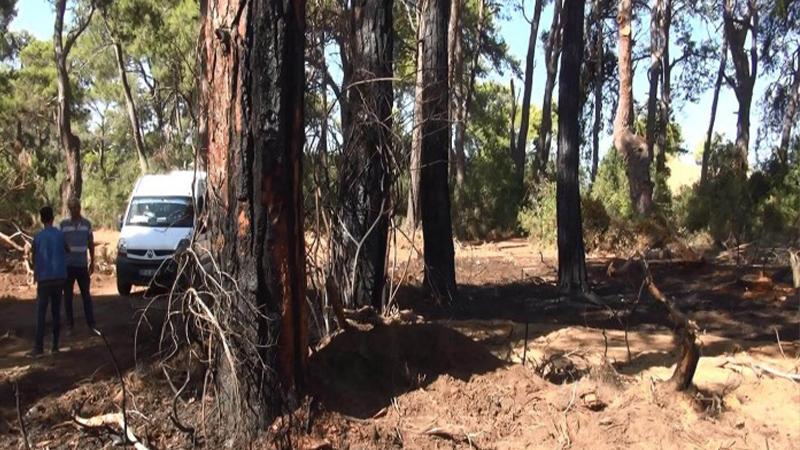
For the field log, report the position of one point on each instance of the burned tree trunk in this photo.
(713, 117)
(571, 255)
(70, 143)
(253, 95)
(435, 129)
(631, 146)
(413, 208)
(518, 154)
(552, 52)
(365, 172)
(745, 70)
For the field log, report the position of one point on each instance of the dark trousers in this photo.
(48, 292)
(81, 275)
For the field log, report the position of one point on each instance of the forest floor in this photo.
(513, 366)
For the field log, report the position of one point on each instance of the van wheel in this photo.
(123, 288)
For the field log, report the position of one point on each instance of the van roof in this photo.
(177, 183)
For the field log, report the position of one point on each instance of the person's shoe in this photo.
(35, 353)
(55, 351)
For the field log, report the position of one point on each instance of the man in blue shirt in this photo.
(50, 271)
(80, 241)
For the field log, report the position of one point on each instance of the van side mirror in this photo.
(119, 222)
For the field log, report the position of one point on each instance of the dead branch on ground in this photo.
(108, 421)
(686, 332)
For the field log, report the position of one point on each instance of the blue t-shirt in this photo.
(78, 236)
(49, 255)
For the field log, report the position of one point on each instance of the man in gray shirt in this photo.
(80, 242)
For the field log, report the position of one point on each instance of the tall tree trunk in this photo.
(665, 108)
(413, 208)
(790, 113)
(713, 117)
(571, 256)
(745, 70)
(598, 91)
(469, 94)
(655, 71)
(133, 115)
(253, 89)
(518, 155)
(512, 137)
(69, 142)
(366, 174)
(632, 147)
(456, 81)
(434, 191)
(552, 52)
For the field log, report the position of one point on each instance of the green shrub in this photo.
(611, 186)
(538, 220)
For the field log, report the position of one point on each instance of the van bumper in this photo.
(139, 272)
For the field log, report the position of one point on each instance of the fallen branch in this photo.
(794, 377)
(686, 331)
(106, 421)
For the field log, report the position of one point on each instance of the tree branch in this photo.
(73, 35)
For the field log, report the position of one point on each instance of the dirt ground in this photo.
(512, 366)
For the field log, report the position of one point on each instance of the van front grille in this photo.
(159, 253)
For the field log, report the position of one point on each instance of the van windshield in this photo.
(161, 212)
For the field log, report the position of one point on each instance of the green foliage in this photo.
(611, 186)
(486, 205)
(538, 220)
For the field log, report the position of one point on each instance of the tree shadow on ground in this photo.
(708, 293)
(84, 356)
(359, 372)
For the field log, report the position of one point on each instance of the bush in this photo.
(538, 220)
(611, 186)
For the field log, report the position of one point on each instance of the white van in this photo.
(160, 219)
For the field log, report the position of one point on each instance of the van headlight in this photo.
(122, 247)
(182, 245)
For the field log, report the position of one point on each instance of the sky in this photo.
(36, 17)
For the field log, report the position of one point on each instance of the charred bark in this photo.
(253, 67)
(435, 129)
(552, 52)
(365, 173)
(413, 209)
(518, 155)
(571, 254)
(631, 146)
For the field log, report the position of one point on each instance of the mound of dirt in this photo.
(359, 372)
